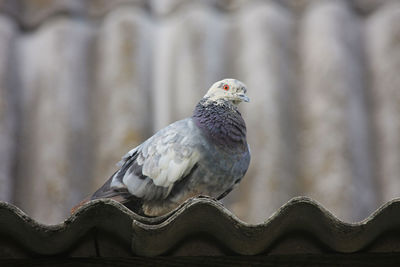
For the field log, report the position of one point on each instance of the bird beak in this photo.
(243, 97)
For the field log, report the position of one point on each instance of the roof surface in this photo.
(200, 226)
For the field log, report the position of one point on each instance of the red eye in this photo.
(226, 87)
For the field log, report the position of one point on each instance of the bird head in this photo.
(228, 90)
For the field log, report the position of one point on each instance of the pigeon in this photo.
(205, 154)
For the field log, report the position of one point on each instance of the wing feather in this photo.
(150, 170)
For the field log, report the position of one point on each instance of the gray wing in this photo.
(151, 170)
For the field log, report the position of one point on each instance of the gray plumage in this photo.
(206, 154)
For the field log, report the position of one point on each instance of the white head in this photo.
(228, 90)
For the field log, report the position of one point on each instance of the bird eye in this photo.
(226, 87)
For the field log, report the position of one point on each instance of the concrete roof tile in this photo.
(200, 226)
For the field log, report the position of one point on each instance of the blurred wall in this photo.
(83, 82)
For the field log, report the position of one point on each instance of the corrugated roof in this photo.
(200, 226)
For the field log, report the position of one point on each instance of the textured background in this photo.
(82, 82)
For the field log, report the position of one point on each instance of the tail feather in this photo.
(121, 195)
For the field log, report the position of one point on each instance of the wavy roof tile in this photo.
(200, 226)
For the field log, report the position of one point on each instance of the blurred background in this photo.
(83, 82)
